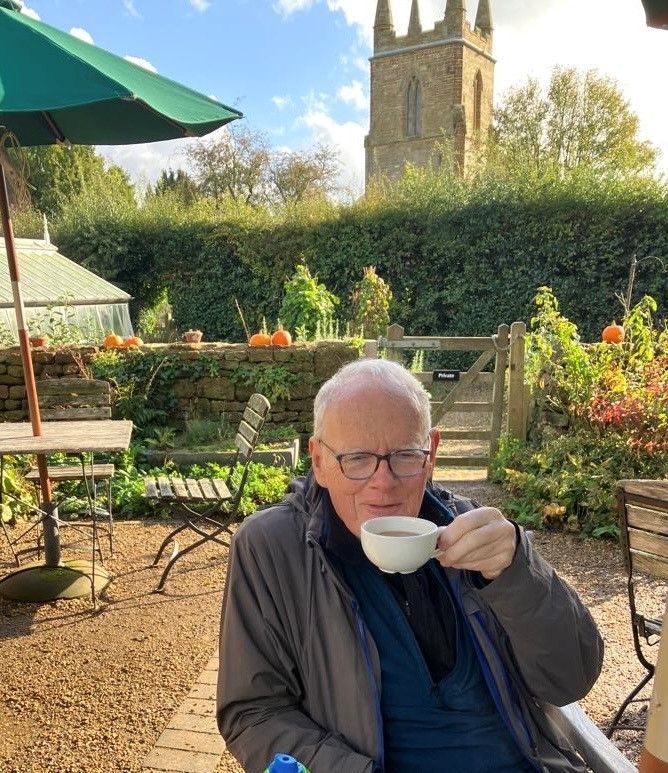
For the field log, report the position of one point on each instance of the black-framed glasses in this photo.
(361, 465)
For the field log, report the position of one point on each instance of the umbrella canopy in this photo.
(657, 13)
(57, 88)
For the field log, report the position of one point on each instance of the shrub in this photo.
(614, 399)
(370, 303)
(306, 303)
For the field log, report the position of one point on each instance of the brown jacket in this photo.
(299, 671)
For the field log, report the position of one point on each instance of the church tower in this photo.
(428, 85)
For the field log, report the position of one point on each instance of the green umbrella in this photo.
(656, 12)
(55, 88)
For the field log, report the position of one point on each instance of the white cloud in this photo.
(286, 7)
(146, 162)
(316, 102)
(346, 138)
(353, 94)
(29, 12)
(82, 34)
(130, 9)
(362, 63)
(200, 5)
(141, 62)
(281, 102)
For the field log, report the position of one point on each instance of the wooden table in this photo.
(75, 437)
(105, 435)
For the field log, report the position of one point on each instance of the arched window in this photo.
(477, 101)
(414, 108)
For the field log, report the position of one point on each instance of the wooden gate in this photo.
(505, 348)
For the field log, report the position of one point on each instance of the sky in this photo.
(299, 69)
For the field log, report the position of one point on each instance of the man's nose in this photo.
(384, 475)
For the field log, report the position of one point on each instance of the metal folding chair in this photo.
(643, 521)
(208, 507)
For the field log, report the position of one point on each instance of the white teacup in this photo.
(399, 543)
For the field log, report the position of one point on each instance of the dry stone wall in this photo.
(309, 364)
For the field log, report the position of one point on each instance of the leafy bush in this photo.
(142, 382)
(370, 299)
(460, 256)
(306, 304)
(613, 399)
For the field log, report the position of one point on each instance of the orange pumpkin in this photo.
(132, 341)
(260, 339)
(281, 338)
(613, 334)
(113, 341)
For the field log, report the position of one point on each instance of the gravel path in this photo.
(82, 692)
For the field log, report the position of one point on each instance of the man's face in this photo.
(371, 420)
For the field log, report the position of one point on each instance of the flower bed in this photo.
(600, 415)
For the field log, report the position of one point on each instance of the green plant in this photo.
(143, 382)
(155, 322)
(370, 300)
(616, 400)
(18, 495)
(306, 304)
(203, 432)
(417, 363)
(162, 438)
(271, 380)
(59, 322)
(7, 336)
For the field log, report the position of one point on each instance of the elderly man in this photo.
(352, 670)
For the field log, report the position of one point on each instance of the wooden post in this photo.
(394, 333)
(654, 758)
(371, 349)
(516, 420)
(501, 344)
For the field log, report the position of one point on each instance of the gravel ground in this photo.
(82, 692)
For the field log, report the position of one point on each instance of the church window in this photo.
(477, 101)
(414, 109)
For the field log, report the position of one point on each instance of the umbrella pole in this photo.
(51, 537)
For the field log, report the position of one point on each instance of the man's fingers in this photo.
(476, 545)
(485, 544)
(467, 522)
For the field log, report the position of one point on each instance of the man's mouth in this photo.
(383, 509)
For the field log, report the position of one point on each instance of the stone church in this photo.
(427, 85)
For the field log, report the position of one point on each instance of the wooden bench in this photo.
(207, 507)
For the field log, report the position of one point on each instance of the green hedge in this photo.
(461, 258)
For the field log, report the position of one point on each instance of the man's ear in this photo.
(315, 452)
(434, 440)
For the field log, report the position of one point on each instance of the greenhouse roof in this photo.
(48, 278)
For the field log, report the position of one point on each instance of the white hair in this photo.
(390, 376)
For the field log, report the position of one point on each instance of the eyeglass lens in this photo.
(403, 464)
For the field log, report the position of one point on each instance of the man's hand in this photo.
(481, 540)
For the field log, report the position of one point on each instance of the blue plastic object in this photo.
(284, 763)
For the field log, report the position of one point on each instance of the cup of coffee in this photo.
(399, 543)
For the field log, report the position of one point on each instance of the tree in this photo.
(57, 173)
(179, 184)
(583, 120)
(298, 175)
(235, 164)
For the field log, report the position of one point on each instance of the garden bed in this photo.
(92, 692)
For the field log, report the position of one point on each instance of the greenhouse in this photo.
(62, 299)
